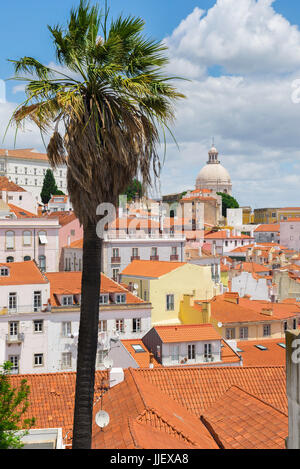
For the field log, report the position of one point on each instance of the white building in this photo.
(59, 203)
(225, 241)
(27, 168)
(39, 318)
(12, 194)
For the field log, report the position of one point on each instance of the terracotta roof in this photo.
(133, 223)
(252, 267)
(63, 217)
(69, 283)
(239, 420)
(21, 213)
(54, 200)
(24, 153)
(6, 185)
(268, 227)
(22, 273)
(142, 358)
(187, 333)
(76, 244)
(253, 356)
(223, 235)
(198, 388)
(152, 269)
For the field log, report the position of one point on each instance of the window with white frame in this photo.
(115, 274)
(67, 300)
(120, 298)
(38, 325)
(10, 240)
(102, 326)
(38, 359)
(174, 251)
(154, 252)
(207, 350)
(4, 272)
(12, 302)
(230, 333)
(42, 237)
(42, 263)
(120, 325)
(66, 360)
(13, 328)
(66, 328)
(136, 325)
(101, 355)
(243, 332)
(104, 299)
(115, 252)
(14, 359)
(135, 252)
(191, 351)
(175, 353)
(266, 330)
(170, 302)
(37, 301)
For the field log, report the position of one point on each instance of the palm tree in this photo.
(102, 107)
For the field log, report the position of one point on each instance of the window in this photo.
(42, 263)
(4, 272)
(285, 326)
(170, 302)
(10, 259)
(104, 299)
(66, 329)
(174, 251)
(121, 298)
(207, 351)
(37, 301)
(153, 252)
(27, 258)
(138, 348)
(9, 240)
(135, 252)
(175, 353)
(191, 352)
(43, 237)
(38, 325)
(115, 252)
(25, 170)
(230, 333)
(66, 360)
(12, 302)
(26, 181)
(34, 171)
(13, 328)
(266, 330)
(14, 359)
(16, 169)
(101, 355)
(136, 325)
(67, 300)
(243, 332)
(120, 325)
(102, 326)
(115, 274)
(38, 359)
(294, 323)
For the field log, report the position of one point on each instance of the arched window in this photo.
(26, 238)
(10, 240)
(42, 263)
(43, 237)
(27, 258)
(10, 259)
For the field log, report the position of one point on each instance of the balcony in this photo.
(174, 257)
(135, 258)
(115, 260)
(154, 258)
(14, 339)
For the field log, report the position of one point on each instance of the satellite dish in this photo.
(108, 362)
(102, 419)
(220, 324)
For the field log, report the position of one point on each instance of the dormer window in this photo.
(104, 299)
(4, 272)
(67, 300)
(120, 298)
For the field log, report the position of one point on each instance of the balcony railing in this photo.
(116, 260)
(154, 258)
(135, 258)
(174, 257)
(14, 339)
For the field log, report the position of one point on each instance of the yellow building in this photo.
(275, 215)
(248, 216)
(165, 283)
(241, 318)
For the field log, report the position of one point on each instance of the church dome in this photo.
(213, 175)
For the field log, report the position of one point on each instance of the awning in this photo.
(43, 239)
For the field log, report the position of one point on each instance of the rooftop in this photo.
(187, 333)
(6, 185)
(151, 269)
(22, 273)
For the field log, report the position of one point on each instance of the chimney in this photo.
(293, 387)
(232, 297)
(206, 310)
(116, 376)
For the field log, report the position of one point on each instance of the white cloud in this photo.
(248, 109)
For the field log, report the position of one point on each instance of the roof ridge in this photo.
(257, 398)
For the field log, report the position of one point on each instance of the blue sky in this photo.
(239, 93)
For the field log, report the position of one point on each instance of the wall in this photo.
(245, 284)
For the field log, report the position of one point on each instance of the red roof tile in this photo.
(187, 333)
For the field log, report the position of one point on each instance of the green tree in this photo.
(49, 187)
(110, 96)
(13, 405)
(135, 188)
(227, 202)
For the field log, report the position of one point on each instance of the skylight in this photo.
(281, 345)
(137, 348)
(261, 347)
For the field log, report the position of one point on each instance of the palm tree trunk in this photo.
(88, 338)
